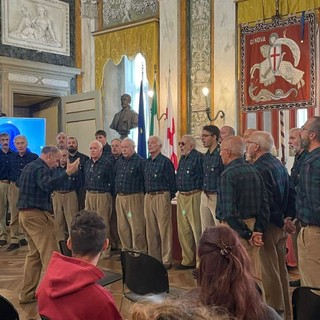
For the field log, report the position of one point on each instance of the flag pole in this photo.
(141, 123)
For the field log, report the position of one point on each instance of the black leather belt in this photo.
(64, 191)
(126, 193)
(189, 193)
(96, 191)
(153, 193)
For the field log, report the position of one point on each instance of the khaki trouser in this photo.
(39, 228)
(16, 232)
(102, 204)
(274, 271)
(189, 226)
(208, 206)
(131, 221)
(253, 253)
(65, 206)
(4, 187)
(114, 235)
(158, 214)
(309, 256)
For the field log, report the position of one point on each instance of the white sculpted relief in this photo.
(121, 11)
(42, 25)
(39, 29)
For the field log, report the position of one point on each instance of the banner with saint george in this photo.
(278, 64)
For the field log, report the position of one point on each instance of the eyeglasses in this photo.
(205, 135)
(181, 143)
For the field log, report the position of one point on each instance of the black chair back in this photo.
(7, 310)
(143, 274)
(306, 303)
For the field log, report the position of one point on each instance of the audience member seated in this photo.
(225, 279)
(69, 289)
(176, 310)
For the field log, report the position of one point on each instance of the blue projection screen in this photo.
(33, 128)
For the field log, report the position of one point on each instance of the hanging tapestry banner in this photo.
(278, 64)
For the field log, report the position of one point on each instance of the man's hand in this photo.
(289, 225)
(72, 167)
(256, 239)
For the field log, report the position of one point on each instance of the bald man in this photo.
(243, 200)
(225, 132)
(247, 133)
(273, 252)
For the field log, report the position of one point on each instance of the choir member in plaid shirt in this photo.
(189, 185)
(273, 253)
(160, 188)
(35, 215)
(308, 205)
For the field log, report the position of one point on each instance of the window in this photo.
(133, 75)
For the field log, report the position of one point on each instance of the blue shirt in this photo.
(190, 172)
(242, 193)
(99, 175)
(129, 174)
(4, 164)
(308, 191)
(36, 185)
(17, 163)
(276, 180)
(296, 167)
(80, 173)
(70, 183)
(212, 168)
(159, 175)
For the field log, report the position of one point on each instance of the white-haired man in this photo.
(99, 183)
(129, 187)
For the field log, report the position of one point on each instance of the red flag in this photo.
(171, 143)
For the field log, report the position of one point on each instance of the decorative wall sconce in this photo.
(205, 92)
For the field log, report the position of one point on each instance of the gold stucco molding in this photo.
(112, 44)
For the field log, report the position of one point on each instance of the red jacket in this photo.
(68, 290)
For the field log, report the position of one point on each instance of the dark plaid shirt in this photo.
(99, 175)
(295, 170)
(4, 164)
(242, 193)
(129, 174)
(70, 183)
(276, 180)
(212, 168)
(113, 159)
(80, 173)
(36, 185)
(17, 163)
(308, 193)
(159, 175)
(106, 151)
(190, 171)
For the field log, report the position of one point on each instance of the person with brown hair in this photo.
(225, 279)
(176, 310)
